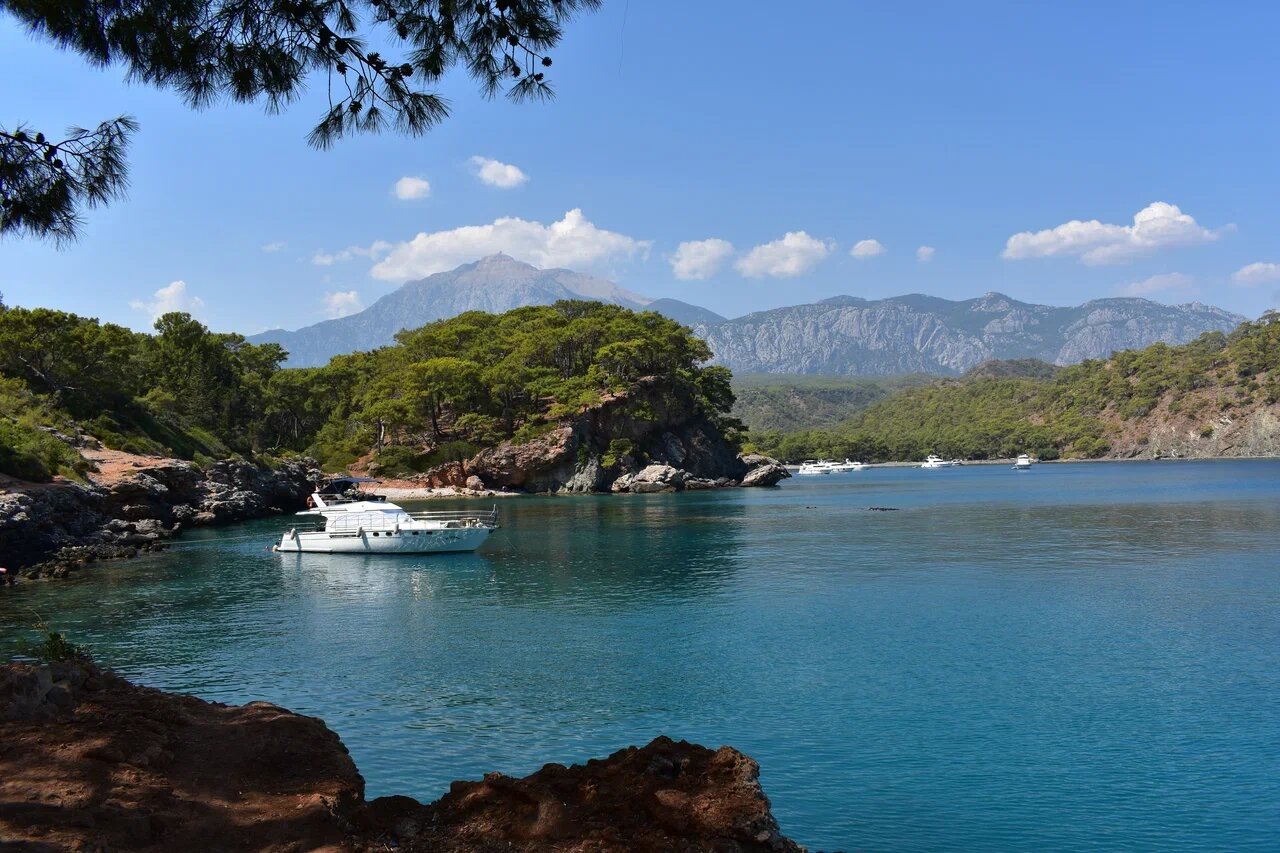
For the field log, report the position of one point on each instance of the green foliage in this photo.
(52, 646)
(44, 183)
(767, 402)
(28, 449)
(439, 395)
(398, 460)
(451, 453)
(618, 448)
(183, 391)
(477, 379)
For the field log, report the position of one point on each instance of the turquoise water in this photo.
(1081, 657)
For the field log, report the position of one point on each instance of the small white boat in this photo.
(933, 461)
(1022, 463)
(846, 465)
(355, 522)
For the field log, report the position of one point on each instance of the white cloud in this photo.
(1158, 284)
(924, 254)
(273, 247)
(1157, 226)
(172, 297)
(504, 176)
(699, 259)
(1259, 273)
(864, 249)
(341, 303)
(795, 254)
(572, 242)
(376, 251)
(410, 188)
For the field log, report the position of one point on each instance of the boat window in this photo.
(415, 533)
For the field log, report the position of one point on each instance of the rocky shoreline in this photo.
(646, 439)
(52, 530)
(89, 761)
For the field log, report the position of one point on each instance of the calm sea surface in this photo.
(1080, 657)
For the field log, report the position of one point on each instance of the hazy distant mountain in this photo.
(924, 334)
(496, 283)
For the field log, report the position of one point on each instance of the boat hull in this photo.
(387, 542)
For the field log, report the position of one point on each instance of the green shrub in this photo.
(451, 452)
(398, 459)
(52, 646)
(31, 454)
(618, 448)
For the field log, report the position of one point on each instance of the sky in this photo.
(715, 154)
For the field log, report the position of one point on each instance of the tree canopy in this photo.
(440, 393)
(265, 51)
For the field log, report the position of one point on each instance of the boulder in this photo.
(763, 471)
(475, 484)
(658, 478)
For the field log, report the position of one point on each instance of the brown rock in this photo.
(128, 768)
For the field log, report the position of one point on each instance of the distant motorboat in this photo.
(933, 461)
(1023, 462)
(826, 466)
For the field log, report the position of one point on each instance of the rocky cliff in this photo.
(651, 436)
(92, 762)
(923, 334)
(136, 504)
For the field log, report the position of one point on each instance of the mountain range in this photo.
(844, 335)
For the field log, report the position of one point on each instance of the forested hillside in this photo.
(767, 401)
(439, 394)
(1217, 395)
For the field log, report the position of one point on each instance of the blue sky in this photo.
(948, 126)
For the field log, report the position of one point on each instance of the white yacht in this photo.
(352, 521)
(1022, 463)
(826, 466)
(934, 461)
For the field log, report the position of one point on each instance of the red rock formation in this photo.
(89, 761)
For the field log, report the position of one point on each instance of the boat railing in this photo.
(486, 517)
(357, 524)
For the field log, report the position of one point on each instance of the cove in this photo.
(1080, 657)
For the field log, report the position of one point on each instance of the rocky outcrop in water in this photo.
(649, 438)
(52, 529)
(923, 334)
(91, 762)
